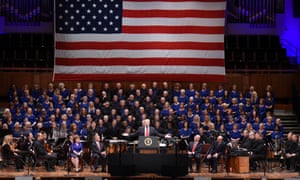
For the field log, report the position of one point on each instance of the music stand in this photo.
(28, 158)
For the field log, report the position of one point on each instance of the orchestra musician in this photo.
(291, 153)
(9, 151)
(42, 152)
(216, 151)
(248, 139)
(258, 151)
(76, 152)
(114, 130)
(29, 142)
(46, 144)
(98, 153)
(25, 146)
(194, 150)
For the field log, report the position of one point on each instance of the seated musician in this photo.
(41, 151)
(215, 153)
(258, 151)
(244, 137)
(76, 152)
(25, 146)
(194, 150)
(291, 153)
(114, 130)
(98, 153)
(29, 141)
(9, 151)
(247, 141)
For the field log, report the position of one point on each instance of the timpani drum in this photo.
(116, 146)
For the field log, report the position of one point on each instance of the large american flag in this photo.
(168, 40)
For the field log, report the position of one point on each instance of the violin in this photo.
(47, 147)
(13, 146)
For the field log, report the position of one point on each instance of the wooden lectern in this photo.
(148, 145)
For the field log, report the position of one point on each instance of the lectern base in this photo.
(122, 170)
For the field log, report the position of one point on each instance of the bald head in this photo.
(220, 139)
(197, 138)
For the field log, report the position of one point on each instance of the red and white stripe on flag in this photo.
(168, 40)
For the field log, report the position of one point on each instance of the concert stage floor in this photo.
(41, 174)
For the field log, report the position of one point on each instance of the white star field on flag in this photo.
(82, 16)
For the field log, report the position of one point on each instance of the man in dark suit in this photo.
(98, 153)
(291, 153)
(216, 151)
(247, 141)
(258, 150)
(147, 130)
(194, 150)
(42, 152)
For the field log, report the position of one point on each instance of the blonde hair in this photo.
(7, 139)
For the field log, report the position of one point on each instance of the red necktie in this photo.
(147, 132)
(98, 144)
(194, 147)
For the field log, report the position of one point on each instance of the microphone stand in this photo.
(68, 167)
(29, 160)
(265, 162)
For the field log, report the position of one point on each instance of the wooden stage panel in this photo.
(41, 174)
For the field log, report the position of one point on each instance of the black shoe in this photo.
(214, 171)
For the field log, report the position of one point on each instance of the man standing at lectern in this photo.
(147, 130)
(194, 151)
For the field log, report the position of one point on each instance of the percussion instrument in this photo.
(117, 145)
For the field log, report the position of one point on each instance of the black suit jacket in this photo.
(197, 151)
(217, 148)
(153, 132)
(96, 150)
(259, 148)
(247, 143)
(113, 132)
(39, 148)
(292, 148)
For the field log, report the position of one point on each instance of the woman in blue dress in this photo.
(76, 152)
